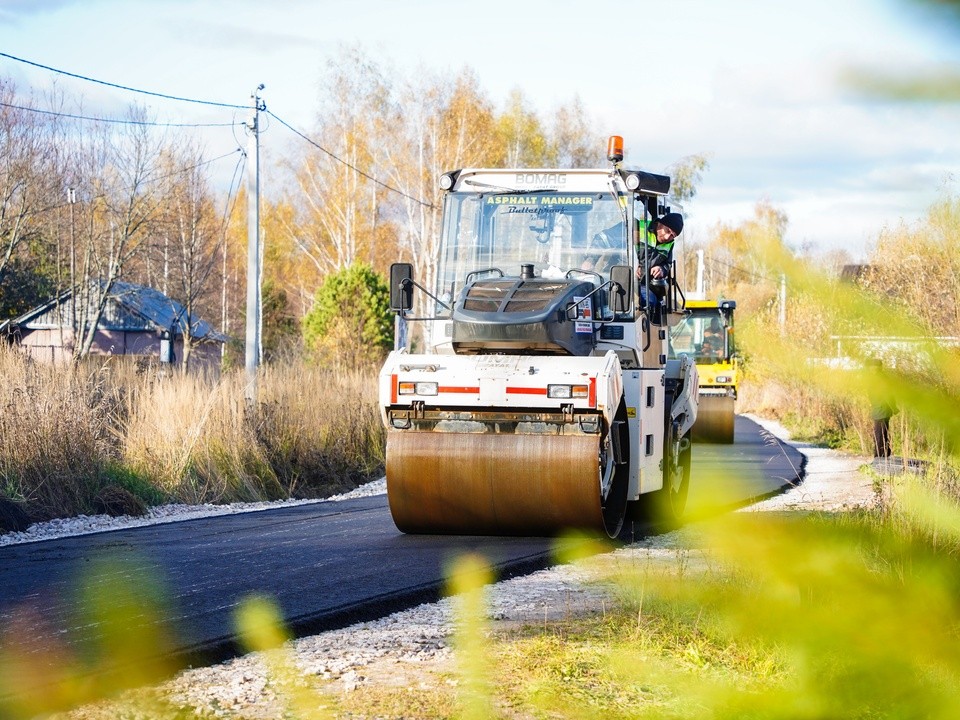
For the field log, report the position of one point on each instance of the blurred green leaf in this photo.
(260, 624)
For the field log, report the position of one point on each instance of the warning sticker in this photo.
(583, 323)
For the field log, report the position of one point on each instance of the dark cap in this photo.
(674, 221)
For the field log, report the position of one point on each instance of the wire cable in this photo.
(202, 163)
(352, 167)
(231, 203)
(121, 87)
(104, 193)
(117, 121)
(745, 271)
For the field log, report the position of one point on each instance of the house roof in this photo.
(130, 308)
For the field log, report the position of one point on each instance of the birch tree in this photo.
(120, 202)
(523, 137)
(339, 204)
(28, 175)
(192, 234)
(736, 253)
(446, 124)
(573, 142)
(686, 175)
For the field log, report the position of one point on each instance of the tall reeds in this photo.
(195, 439)
(67, 433)
(58, 434)
(320, 427)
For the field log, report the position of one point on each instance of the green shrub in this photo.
(350, 322)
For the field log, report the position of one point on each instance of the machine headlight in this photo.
(567, 392)
(724, 378)
(448, 180)
(632, 181)
(417, 388)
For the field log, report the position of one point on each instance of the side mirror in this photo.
(621, 290)
(401, 287)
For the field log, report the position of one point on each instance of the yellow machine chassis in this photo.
(715, 414)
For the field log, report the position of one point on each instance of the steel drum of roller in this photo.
(715, 419)
(498, 484)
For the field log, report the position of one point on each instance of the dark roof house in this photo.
(137, 320)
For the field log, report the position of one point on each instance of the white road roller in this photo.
(543, 399)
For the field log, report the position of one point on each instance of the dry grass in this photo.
(193, 439)
(67, 433)
(58, 437)
(313, 433)
(320, 427)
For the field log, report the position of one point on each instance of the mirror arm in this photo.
(410, 281)
(608, 284)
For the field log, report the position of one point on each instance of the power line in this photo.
(200, 164)
(199, 102)
(121, 87)
(352, 167)
(229, 205)
(118, 121)
(178, 171)
(745, 271)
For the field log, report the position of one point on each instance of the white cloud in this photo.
(754, 85)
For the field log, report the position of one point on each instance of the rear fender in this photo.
(682, 373)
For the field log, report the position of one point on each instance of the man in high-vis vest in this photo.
(660, 236)
(658, 247)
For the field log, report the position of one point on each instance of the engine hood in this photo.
(523, 315)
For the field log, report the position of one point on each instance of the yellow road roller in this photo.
(541, 398)
(705, 331)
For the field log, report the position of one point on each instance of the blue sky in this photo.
(753, 84)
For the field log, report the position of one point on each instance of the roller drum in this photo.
(494, 483)
(715, 419)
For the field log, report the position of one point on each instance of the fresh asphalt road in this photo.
(326, 565)
(756, 466)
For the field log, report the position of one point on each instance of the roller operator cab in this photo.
(544, 397)
(705, 331)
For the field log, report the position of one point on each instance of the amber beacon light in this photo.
(615, 148)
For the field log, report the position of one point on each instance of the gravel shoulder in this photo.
(411, 649)
(88, 524)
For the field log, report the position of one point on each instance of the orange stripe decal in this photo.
(393, 389)
(461, 389)
(526, 391)
(593, 392)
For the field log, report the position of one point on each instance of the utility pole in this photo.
(72, 199)
(701, 290)
(253, 248)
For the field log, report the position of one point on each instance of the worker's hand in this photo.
(656, 272)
